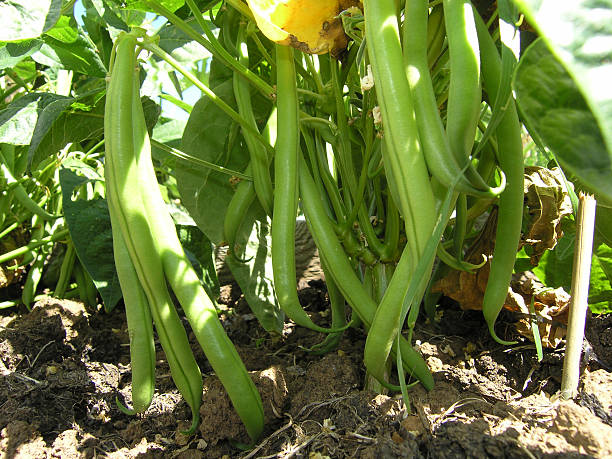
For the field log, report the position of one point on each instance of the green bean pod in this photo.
(236, 210)
(124, 193)
(436, 33)
(286, 191)
(460, 228)
(510, 215)
(260, 163)
(337, 307)
(407, 173)
(63, 282)
(406, 170)
(198, 307)
(465, 94)
(33, 279)
(20, 194)
(244, 195)
(441, 161)
(140, 327)
(342, 272)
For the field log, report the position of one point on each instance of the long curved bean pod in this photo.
(441, 160)
(123, 181)
(510, 215)
(404, 162)
(198, 307)
(286, 191)
(140, 326)
(260, 163)
(406, 172)
(464, 94)
(236, 210)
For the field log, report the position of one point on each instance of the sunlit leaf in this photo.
(26, 19)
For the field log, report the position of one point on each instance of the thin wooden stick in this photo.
(585, 225)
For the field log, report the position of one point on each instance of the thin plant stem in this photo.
(211, 44)
(235, 116)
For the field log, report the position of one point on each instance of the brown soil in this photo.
(62, 366)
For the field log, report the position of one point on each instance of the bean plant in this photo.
(390, 126)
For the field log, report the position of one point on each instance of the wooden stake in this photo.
(585, 226)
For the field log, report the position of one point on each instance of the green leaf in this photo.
(106, 15)
(65, 30)
(90, 229)
(47, 117)
(70, 127)
(184, 49)
(26, 19)
(600, 291)
(555, 266)
(578, 32)
(555, 270)
(79, 54)
(255, 277)
(21, 118)
(554, 108)
(199, 250)
(100, 35)
(603, 225)
(12, 54)
(141, 5)
(206, 194)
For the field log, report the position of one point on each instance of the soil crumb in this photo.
(62, 367)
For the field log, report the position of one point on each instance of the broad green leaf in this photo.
(555, 266)
(206, 194)
(169, 132)
(13, 53)
(255, 277)
(90, 229)
(99, 11)
(77, 125)
(555, 109)
(26, 70)
(579, 32)
(555, 270)
(65, 30)
(100, 35)
(47, 117)
(70, 127)
(20, 119)
(603, 225)
(140, 5)
(600, 291)
(199, 250)
(27, 19)
(78, 55)
(126, 13)
(182, 48)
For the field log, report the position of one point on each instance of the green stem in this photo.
(32, 245)
(213, 97)
(213, 45)
(200, 162)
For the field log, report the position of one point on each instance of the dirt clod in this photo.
(61, 368)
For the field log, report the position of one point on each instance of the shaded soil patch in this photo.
(61, 368)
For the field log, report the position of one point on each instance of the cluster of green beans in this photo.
(376, 193)
(149, 257)
(422, 157)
